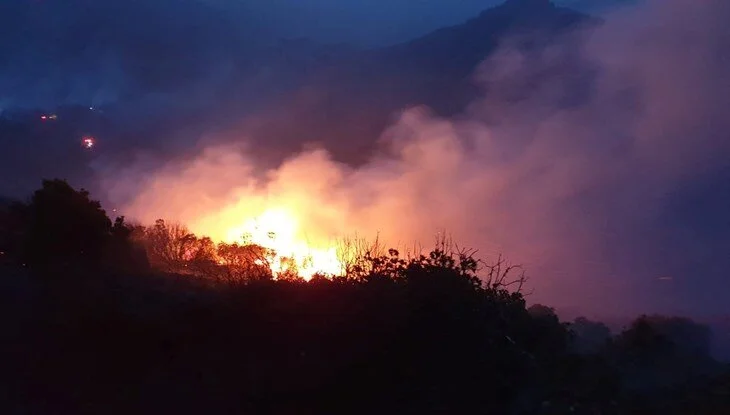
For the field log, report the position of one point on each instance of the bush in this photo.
(62, 230)
(436, 333)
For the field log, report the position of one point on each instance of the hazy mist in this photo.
(598, 196)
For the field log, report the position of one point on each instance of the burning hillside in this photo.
(304, 207)
(280, 232)
(569, 175)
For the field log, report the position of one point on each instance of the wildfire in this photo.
(279, 231)
(295, 212)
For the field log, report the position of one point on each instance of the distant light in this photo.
(43, 117)
(88, 142)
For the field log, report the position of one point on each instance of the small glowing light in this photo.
(43, 117)
(88, 142)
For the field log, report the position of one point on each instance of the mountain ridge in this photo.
(299, 91)
(435, 70)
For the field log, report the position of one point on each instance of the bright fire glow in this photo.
(279, 230)
(88, 142)
(311, 211)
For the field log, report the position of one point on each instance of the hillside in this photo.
(298, 91)
(348, 102)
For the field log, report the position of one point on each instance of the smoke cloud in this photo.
(580, 189)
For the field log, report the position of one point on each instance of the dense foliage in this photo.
(207, 330)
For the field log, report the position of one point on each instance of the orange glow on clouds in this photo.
(306, 207)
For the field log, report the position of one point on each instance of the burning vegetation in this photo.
(171, 247)
(228, 319)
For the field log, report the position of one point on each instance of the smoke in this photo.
(83, 52)
(578, 188)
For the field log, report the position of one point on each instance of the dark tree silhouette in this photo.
(122, 254)
(688, 337)
(436, 333)
(660, 337)
(589, 337)
(9, 229)
(64, 227)
(61, 230)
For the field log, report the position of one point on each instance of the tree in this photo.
(203, 259)
(688, 337)
(543, 312)
(63, 227)
(589, 337)
(245, 262)
(169, 245)
(122, 254)
(10, 229)
(642, 343)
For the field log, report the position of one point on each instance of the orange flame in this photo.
(279, 231)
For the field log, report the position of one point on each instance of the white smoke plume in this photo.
(576, 191)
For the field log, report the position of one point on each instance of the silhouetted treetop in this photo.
(589, 336)
(441, 332)
(64, 226)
